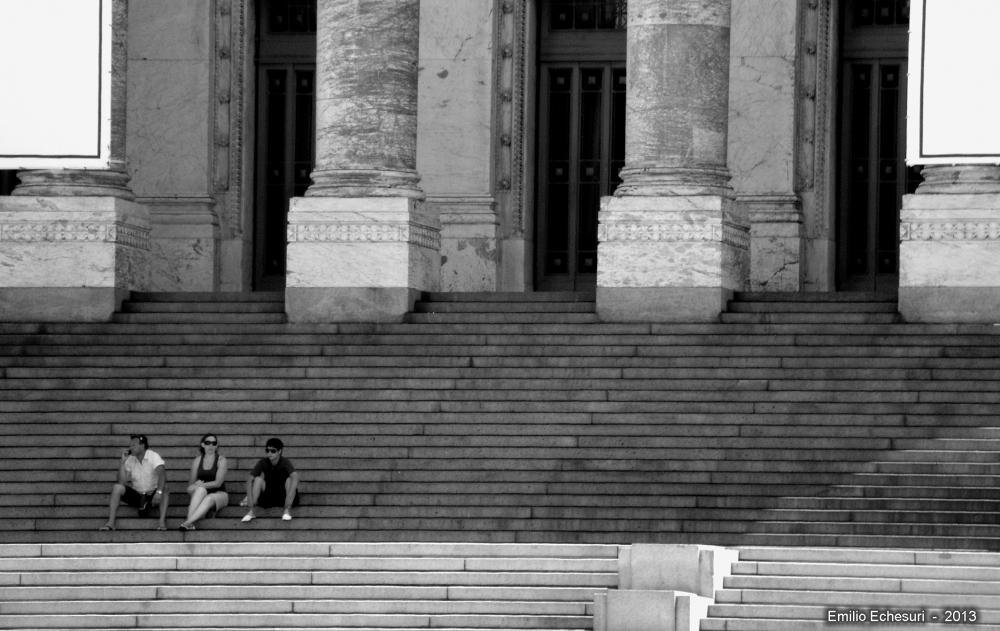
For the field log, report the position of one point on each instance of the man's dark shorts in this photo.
(275, 499)
(135, 499)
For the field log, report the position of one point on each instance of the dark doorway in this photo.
(873, 176)
(8, 180)
(581, 138)
(286, 137)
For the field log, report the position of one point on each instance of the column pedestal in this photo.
(469, 253)
(776, 236)
(949, 252)
(70, 259)
(672, 245)
(670, 259)
(185, 237)
(359, 259)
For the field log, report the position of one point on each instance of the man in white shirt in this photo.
(142, 482)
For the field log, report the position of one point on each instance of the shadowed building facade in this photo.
(354, 153)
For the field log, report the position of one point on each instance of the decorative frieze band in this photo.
(423, 236)
(122, 234)
(950, 231)
(675, 231)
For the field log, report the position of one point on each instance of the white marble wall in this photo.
(762, 137)
(70, 258)
(170, 137)
(454, 147)
(694, 242)
(387, 242)
(949, 258)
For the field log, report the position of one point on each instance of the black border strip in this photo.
(923, 74)
(100, 88)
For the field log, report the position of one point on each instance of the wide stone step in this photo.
(871, 570)
(310, 620)
(203, 307)
(808, 318)
(779, 378)
(502, 318)
(812, 296)
(800, 606)
(298, 605)
(768, 624)
(504, 307)
(509, 297)
(830, 307)
(172, 297)
(198, 318)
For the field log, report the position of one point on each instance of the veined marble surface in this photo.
(455, 86)
(698, 241)
(950, 240)
(362, 242)
(170, 97)
(61, 242)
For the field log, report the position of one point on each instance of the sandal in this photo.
(161, 527)
(106, 528)
(186, 527)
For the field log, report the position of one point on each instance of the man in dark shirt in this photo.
(272, 482)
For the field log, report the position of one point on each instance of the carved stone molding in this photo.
(423, 236)
(230, 45)
(772, 208)
(949, 231)
(509, 88)
(34, 232)
(736, 236)
(816, 73)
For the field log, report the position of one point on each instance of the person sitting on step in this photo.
(207, 486)
(272, 482)
(142, 482)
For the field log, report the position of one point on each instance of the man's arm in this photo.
(122, 475)
(161, 478)
(293, 485)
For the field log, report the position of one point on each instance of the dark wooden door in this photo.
(581, 139)
(873, 176)
(286, 135)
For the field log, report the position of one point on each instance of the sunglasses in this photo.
(209, 442)
(271, 450)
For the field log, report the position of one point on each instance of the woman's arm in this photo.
(193, 479)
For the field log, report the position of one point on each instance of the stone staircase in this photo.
(795, 589)
(282, 586)
(798, 420)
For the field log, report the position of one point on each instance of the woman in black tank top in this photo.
(207, 486)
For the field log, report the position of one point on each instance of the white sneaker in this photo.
(286, 517)
(249, 517)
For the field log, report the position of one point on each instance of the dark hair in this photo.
(201, 447)
(142, 439)
(276, 443)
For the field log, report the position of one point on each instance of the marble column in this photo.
(673, 245)
(949, 251)
(361, 245)
(73, 242)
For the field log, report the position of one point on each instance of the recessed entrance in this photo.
(286, 138)
(873, 176)
(8, 180)
(581, 135)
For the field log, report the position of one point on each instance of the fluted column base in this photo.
(359, 259)
(365, 183)
(949, 252)
(670, 259)
(74, 183)
(674, 181)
